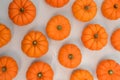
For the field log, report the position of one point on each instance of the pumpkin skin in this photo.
(111, 9)
(57, 3)
(108, 70)
(35, 44)
(84, 10)
(81, 75)
(22, 12)
(94, 37)
(58, 28)
(5, 35)
(40, 71)
(69, 56)
(115, 39)
(8, 68)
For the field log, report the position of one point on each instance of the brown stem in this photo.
(86, 7)
(39, 75)
(34, 42)
(22, 10)
(59, 27)
(95, 36)
(70, 56)
(4, 69)
(116, 6)
(110, 72)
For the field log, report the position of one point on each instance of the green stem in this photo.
(59, 27)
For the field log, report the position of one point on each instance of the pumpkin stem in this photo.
(70, 56)
(95, 36)
(4, 69)
(22, 10)
(39, 75)
(86, 7)
(110, 72)
(116, 6)
(34, 42)
(59, 27)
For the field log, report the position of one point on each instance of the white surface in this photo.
(44, 13)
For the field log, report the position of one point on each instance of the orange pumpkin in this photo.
(8, 68)
(108, 70)
(84, 10)
(69, 56)
(40, 71)
(94, 37)
(57, 3)
(22, 12)
(115, 39)
(81, 75)
(35, 44)
(111, 9)
(5, 35)
(58, 28)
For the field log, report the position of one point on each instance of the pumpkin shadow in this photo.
(45, 58)
(39, 28)
(113, 56)
(88, 68)
(85, 67)
(8, 24)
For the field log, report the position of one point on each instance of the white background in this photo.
(44, 13)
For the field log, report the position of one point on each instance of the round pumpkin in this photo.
(84, 10)
(115, 39)
(5, 35)
(8, 68)
(40, 71)
(81, 75)
(22, 12)
(111, 9)
(108, 70)
(57, 3)
(58, 28)
(69, 56)
(35, 44)
(94, 37)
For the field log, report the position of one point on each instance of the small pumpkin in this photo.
(35, 44)
(115, 39)
(69, 56)
(57, 3)
(81, 75)
(111, 9)
(22, 12)
(5, 35)
(40, 71)
(58, 28)
(8, 68)
(94, 37)
(84, 10)
(108, 70)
